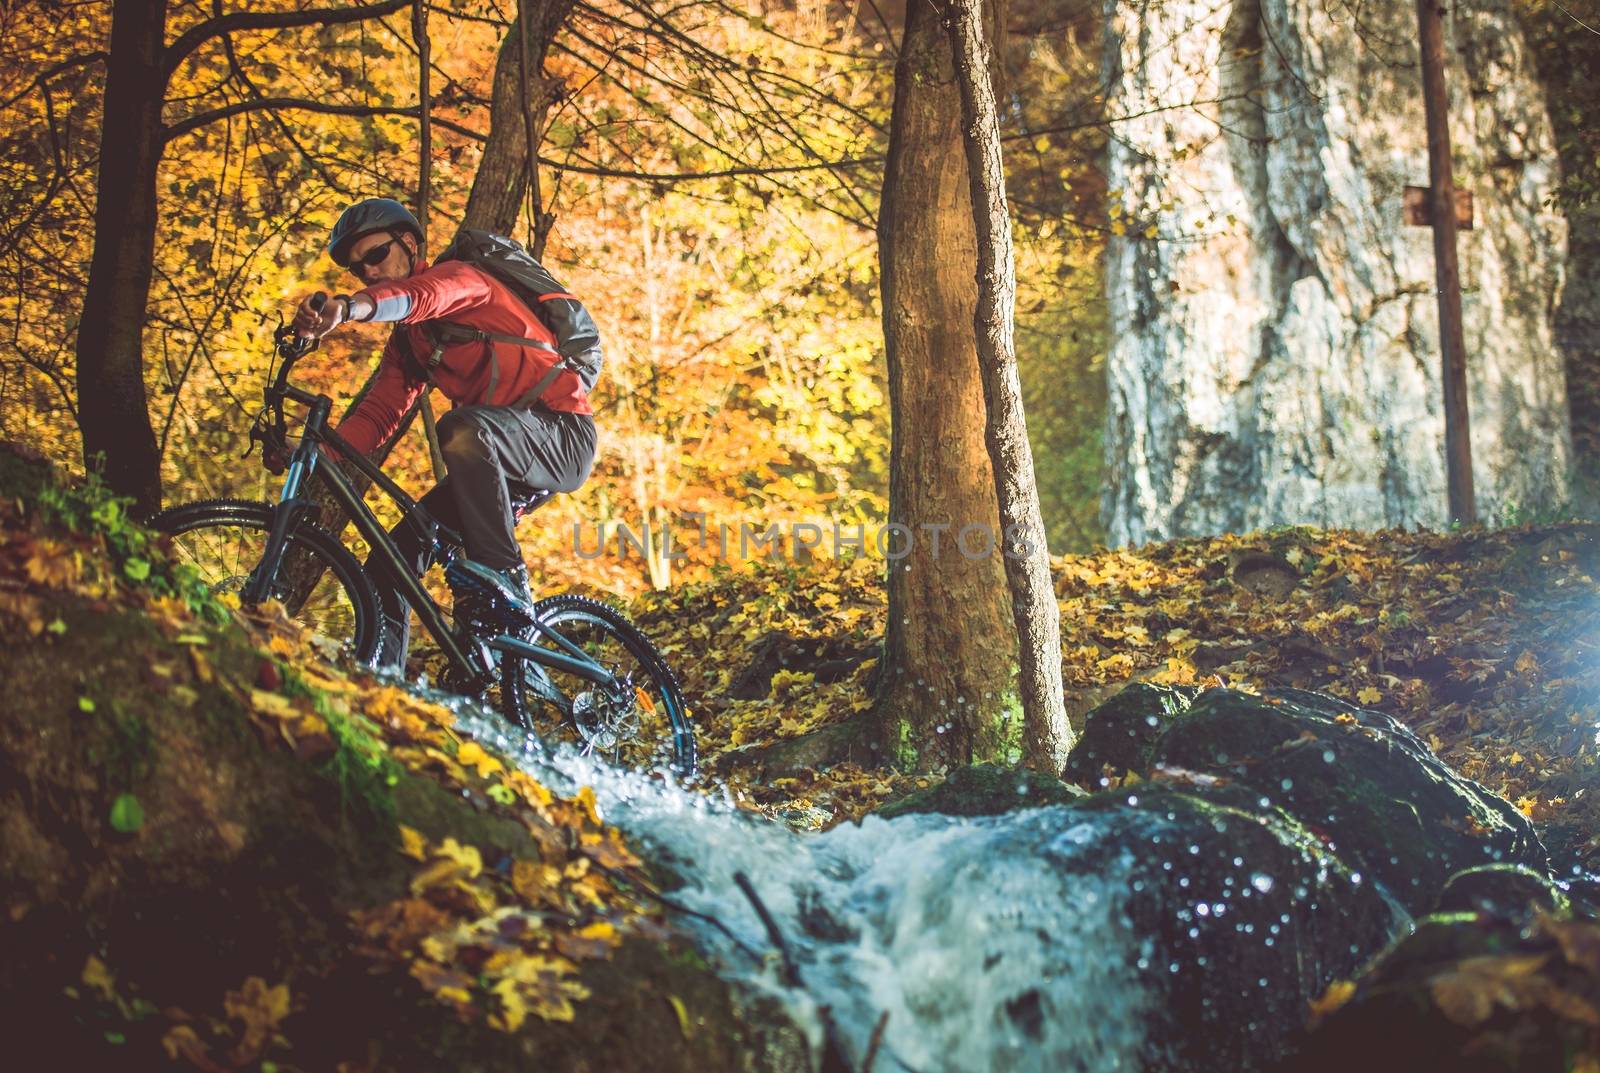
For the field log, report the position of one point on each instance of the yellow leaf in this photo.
(602, 929)
(472, 755)
(273, 704)
(98, 977)
(586, 801)
(1469, 992)
(259, 1008)
(1369, 695)
(683, 1014)
(1338, 993)
(451, 861)
(413, 844)
(182, 1042)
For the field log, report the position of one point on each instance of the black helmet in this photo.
(365, 217)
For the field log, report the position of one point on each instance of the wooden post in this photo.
(419, 32)
(1452, 343)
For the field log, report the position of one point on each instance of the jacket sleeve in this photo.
(378, 414)
(434, 293)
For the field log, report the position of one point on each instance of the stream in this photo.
(1092, 937)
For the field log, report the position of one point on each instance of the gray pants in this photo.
(483, 448)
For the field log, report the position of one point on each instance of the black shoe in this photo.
(496, 600)
(490, 603)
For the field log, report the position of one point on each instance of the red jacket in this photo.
(465, 295)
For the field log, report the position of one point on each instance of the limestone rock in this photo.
(1275, 349)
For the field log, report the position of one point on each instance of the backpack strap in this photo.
(533, 394)
(445, 333)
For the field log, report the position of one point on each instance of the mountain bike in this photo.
(605, 684)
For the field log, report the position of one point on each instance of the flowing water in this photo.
(992, 944)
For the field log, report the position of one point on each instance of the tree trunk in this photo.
(1046, 737)
(112, 409)
(492, 205)
(947, 694)
(501, 181)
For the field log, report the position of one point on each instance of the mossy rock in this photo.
(984, 790)
(1366, 784)
(1471, 992)
(1121, 733)
(1237, 917)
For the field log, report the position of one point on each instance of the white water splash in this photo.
(984, 943)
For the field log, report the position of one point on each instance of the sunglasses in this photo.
(371, 259)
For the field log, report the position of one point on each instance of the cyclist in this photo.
(495, 431)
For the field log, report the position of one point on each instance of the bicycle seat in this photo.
(525, 497)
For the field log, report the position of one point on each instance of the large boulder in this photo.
(1372, 789)
(1513, 984)
(1363, 783)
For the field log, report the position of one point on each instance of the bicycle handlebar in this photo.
(291, 348)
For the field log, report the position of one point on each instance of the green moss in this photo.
(905, 753)
(360, 765)
(1008, 728)
(984, 790)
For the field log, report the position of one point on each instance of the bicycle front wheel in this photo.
(642, 724)
(225, 539)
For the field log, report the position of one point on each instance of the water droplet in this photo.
(1173, 967)
(1355, 878)
(1287, 784)
(1143, 963)
(1203, 909)
(1194, 933)
(1194, 850)
(1238, 862)
(1262, 882)
(1327, 756)
(1133, 799)
(1183, 881)
(1152, 720)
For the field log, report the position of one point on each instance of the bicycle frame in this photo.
(303, 464)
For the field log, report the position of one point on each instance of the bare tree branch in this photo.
(687, 176)
(195, 122)
(270, 20)
(60, 68)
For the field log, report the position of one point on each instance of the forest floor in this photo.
(1486, 643)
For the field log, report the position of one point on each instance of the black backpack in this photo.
(577, 338)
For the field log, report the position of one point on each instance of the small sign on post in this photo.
(1419, 207)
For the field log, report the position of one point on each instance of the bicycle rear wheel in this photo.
(644, 724)
(224, 539)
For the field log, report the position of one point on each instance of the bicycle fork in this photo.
(258, 588)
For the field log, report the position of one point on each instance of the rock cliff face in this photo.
(1274, 324)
